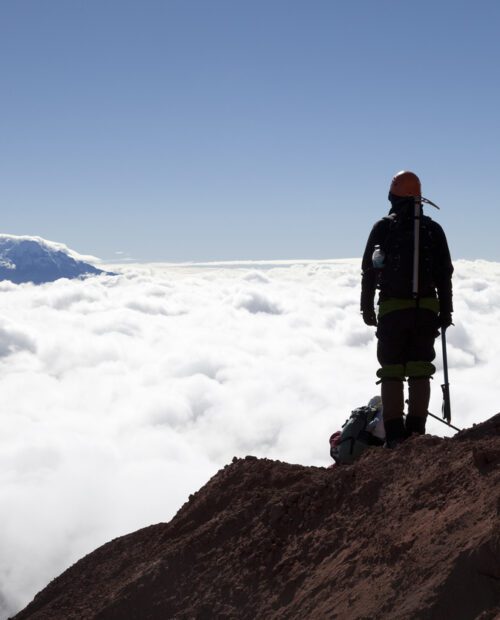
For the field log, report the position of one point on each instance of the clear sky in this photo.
(258, 129)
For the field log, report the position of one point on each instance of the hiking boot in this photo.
(390, 445)
(395, 432)
(419, 393)
(415, 424)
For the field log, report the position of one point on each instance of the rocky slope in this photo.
(403, 534)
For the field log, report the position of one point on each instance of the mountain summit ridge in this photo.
(409, 533)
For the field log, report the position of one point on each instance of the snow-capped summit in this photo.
(33, 259)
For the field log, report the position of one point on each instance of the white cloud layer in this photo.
(119, 396)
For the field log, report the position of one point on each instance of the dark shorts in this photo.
(406, 343)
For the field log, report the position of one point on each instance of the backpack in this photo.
(396, 276)
(349, 443)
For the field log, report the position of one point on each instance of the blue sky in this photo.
(214, 130)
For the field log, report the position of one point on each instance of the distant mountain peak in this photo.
(34, 259)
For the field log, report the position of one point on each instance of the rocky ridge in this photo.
(405, 534)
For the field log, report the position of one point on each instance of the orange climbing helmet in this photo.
(405, 183)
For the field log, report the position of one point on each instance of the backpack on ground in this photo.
(356, 435)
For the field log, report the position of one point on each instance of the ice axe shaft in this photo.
(446, 410)
(443, 422)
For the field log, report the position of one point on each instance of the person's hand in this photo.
(444, 319)
(369, 317)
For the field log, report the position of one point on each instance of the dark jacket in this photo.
(437, 251)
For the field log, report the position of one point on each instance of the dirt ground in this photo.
(401, 534)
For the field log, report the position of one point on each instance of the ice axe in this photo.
(446, 409)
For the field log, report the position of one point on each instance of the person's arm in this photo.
(443, 274)
(369, 278)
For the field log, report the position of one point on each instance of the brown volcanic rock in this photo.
(402, 534)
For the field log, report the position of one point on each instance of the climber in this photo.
(407, 259)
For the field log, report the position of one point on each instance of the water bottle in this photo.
(378, 258)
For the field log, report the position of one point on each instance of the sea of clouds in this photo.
(120, 396)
